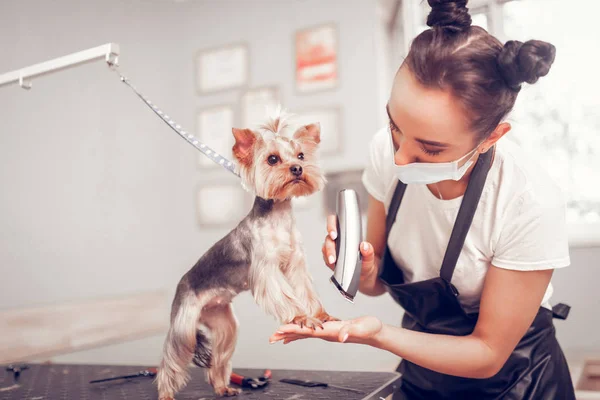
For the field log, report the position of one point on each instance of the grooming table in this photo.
(71, 382)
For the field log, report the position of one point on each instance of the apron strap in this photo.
(463, 219)
(394, 206)
(465, 214)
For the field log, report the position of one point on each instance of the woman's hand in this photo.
(329, 251)
(363, 330)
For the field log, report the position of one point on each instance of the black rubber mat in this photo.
(67, 381)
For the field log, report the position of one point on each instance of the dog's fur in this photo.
(263, 254)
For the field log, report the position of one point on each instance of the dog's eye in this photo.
(301, 156)
(273, 159)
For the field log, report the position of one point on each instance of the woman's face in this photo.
(427, 125)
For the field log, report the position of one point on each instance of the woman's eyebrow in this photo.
(387, 110)
(432, 143)
(422, 141)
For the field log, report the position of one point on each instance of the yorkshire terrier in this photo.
(263, 254)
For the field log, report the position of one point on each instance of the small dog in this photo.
(263, 254)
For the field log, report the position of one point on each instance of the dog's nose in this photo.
(296, 170)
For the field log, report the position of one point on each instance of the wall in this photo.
(98, 195)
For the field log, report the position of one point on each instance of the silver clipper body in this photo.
(348, 258)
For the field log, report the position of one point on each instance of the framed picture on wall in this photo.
(330, 119)
(213, 128)
(221, 204)
(222, 68)
(256, 103)
(316, 58)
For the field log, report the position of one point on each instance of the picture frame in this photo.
(213, 127)
(222, 68)
(316, 58)
(330, 118)
(255, 102)
(221, 204)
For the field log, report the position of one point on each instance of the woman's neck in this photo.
(448, 190)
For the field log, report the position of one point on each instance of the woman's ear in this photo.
(501, 130)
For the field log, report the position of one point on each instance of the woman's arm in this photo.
(509, 303)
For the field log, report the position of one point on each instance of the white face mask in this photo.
(426, 173)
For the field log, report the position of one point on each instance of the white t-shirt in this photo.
(519, 223)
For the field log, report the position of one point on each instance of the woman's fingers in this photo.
(332, 226)
(329, 252)
(344, 333)
(368, 258)
(328, 248)
(291, 338)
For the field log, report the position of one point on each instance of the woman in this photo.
(470, 253)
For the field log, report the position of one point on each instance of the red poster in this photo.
(316, 59)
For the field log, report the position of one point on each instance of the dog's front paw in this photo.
(324, 317)
(309, 322)
(227, 391)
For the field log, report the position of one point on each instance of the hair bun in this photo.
(450, 15)
(525, 62)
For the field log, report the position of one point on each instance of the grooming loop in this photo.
(188, 137)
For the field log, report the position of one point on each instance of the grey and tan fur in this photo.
(262, 254)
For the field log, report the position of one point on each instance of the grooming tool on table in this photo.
(348, 258)
(147, 372)
(16, 370)
(188, 137)
(252, 383)
(317, 384)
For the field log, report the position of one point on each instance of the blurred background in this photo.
(103, 207)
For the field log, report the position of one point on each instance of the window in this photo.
(557, 120)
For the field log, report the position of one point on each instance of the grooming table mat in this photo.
(71, 382)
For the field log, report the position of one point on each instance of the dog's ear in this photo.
(243, 149)
(309, 133)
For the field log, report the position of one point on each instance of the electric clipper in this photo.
(347, 245)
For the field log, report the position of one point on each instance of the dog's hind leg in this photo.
(223, 327)
(180, 344)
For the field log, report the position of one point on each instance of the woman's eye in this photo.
(301, 156)
(273, 159)
(430, 152)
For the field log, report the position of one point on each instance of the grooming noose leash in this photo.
(188, 137)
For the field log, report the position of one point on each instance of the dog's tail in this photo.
(184, 343)
(202, 355)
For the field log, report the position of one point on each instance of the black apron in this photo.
(536, 369)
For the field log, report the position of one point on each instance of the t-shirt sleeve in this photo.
(376, 176)
(534, 236)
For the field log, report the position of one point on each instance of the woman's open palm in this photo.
(358, 330)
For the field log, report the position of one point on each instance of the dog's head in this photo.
(275, 166)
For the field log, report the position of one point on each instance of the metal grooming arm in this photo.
(107, 52)
(110, 54)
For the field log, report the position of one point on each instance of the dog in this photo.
(263, 254)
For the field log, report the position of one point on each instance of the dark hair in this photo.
(484, 75)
